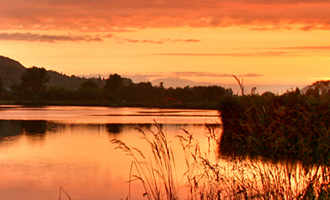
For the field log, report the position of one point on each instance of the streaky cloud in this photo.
(254, 54)
(131, 15)
(290, 48)
(151, 41)
(209, 74)
(306, 48)
(32, 37)
(188, 74)
(181, 40)
(121, 40)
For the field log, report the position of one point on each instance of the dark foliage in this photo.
(116, 91)
(287, 127)
(33, 82)
(2, 89)
(113, 87)
(89, 84)
(32, 86)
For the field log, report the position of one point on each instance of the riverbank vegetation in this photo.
(287, 127)
(210, 175)
(290, 130)
(113, 91)
(267, 147)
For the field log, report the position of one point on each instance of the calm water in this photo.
(45, 148)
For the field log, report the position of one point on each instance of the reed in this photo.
(60, 193)
(267, 147)
(287, 127)
(210, 176)
(291, 131)
(157, 174)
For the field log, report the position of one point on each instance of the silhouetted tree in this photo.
(120, 91)
(113, 86)
(145, 91)
(89, 90)
(33, 81)
(161, 93)
(89, 84)
(113, 83)
(59, 93)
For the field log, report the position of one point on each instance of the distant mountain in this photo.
(62, 80)
(260, 89)
(11, 72)
(321, 87)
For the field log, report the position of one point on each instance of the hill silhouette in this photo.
(319, 87)
(11, 72)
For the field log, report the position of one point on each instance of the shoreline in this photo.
(200, 105)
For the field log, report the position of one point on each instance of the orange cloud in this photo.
(128, 15)
(34, 37)
(188, 74)
(208, 74)
(160, 41)
(47, 38)
(256, 54)
(306, 47)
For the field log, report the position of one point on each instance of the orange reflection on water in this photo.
(77, 157)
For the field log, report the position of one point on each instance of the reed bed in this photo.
(267, 147)
(287, 127)
(212, 176)
(291, 131)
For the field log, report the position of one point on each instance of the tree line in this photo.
(116, 91)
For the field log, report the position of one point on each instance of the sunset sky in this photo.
(264, 42)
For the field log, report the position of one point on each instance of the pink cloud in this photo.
(209, 74)
(148, 76)
(130, 15)
(160, 41)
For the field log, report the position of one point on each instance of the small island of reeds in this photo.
(267, 147)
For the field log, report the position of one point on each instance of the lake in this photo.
(47, 151)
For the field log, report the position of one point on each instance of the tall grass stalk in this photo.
(156, 173)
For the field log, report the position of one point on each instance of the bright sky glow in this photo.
(263, 42)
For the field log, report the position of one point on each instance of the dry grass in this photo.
(212, 176)
(157, 174)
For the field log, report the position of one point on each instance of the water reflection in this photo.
(43, 148)
(10, 128)
(114, 128)
(39, 156)
(37, 129)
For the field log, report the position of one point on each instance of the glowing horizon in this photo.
(264, 42)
